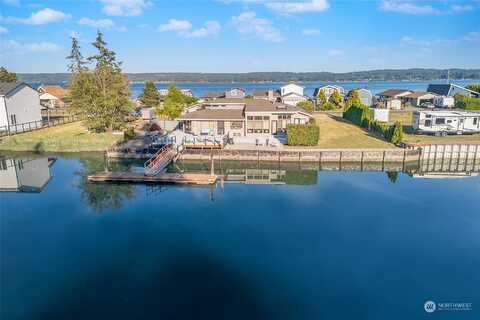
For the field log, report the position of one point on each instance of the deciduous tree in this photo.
(6, 76)
(306, 105)
(336, 99)
(173, 103)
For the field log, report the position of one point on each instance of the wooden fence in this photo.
(35, 125)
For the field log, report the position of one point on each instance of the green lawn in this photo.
(72, 137)
(453, 139)
(405, 117)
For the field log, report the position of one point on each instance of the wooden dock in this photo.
(171, 178)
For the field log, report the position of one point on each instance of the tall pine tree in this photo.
(101, 95)
(77, 62)
(150, 96)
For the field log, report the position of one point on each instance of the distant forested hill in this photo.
(408, 74)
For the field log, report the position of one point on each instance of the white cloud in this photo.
(3, 30)
(247, 23)
(298, 6)
(462, 7)
(310, 32)
(408, 7)
(472, 37)
(210, 28)
(175, 25)
(407, 41)
(101, 23)
(184, 28)
(43, 16)
(336, 53)
(17, 47)
(124, 7)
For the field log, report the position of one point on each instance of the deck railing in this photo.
(159, 160)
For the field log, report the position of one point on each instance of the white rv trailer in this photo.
(446, 122)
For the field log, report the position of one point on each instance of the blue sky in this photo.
(244, 35)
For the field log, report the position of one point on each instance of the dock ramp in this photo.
(160, 160)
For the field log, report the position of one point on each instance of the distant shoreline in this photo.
(278, 77)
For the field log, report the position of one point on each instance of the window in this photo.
(440, 121)
(257, 118)
(249, 118)
(236, 125)
(13, 119)
(475, 121)
(428, 123)
(449, 121)
(266, 118)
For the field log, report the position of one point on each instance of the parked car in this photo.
(428, 105)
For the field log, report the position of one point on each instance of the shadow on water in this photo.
(186, 284)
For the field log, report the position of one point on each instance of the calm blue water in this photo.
(325, 245)
(375, 86)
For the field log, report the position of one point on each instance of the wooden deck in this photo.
(174, 178)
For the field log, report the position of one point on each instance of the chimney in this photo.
(270, 95)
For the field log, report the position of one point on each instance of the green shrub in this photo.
(328, 106)
(306, 105)
(467, 103)
(302, 134)
(361, 116)
(128, 133)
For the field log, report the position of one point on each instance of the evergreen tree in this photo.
(6, 76)
(101, 96)
(77, 62)
(352, 100)
(150, 96)
(397, 133)
(321, 100)
(173, 103)
(104, 57)
(336, 99)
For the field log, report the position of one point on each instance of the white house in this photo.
(292, 94)
(291, 88)
(293, 98)
(19, 104)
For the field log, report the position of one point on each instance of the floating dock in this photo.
(173, 178)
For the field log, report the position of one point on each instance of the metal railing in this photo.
(36, 125)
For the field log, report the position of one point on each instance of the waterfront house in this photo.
(450, 90)
(365, 95)
(393, 94)
(186, 92)
(163, 92)
(19, 104)
(419, 98)
(52, 97)
(242, 118)
(327, 90)
(269, 95)
(235, 93)
(292, 94)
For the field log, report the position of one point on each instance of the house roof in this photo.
(290, 83)
(7, 87)
(266, 106)
(56, 91)
(444, 89)
(418, 94)
(227, 101)
(293, 94)
(264, 93)
(209, 114)
(393, 92)
(241, 89)
(212, 94)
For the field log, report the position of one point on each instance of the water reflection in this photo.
(103, 196)
(27, 174)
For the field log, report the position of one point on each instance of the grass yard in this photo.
(338, 134)
(405, 117)
(72, 137)
(453, 139)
